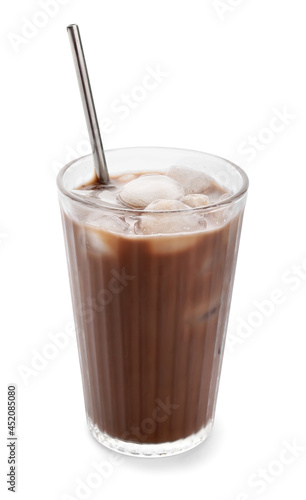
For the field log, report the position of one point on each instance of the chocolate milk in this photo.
(151, 309)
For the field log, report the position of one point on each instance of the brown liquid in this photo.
(151, 315)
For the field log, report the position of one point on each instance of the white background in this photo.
(227, 71)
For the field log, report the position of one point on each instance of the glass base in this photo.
(150, 450)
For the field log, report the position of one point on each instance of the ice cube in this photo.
(90, 239)
(113, 223)
(94, 241)
(140, 192)
(222, 215)
(167, 205)
(172, 243)
(167, 223)
(203, 310)
(109, 197)
(194, 182)
(86, 193)
(224, 196)
(195, 200)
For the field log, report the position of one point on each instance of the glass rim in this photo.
(92, 204)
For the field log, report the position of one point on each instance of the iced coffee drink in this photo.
(151, 260)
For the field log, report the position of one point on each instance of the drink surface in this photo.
(180, 189)
(151, 275)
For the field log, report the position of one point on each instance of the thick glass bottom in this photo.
(150, 450)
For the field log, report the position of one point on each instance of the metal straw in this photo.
(88, 103)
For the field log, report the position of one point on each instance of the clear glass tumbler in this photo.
(151, 310)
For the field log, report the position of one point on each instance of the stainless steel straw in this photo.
(88, 103)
